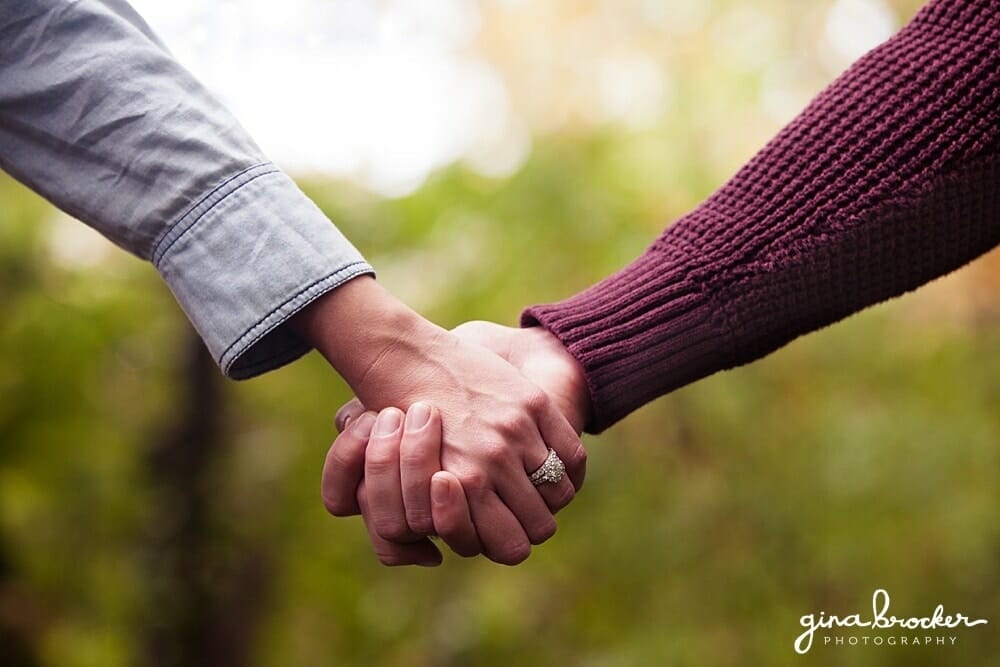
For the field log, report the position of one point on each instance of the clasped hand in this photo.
(455, 462)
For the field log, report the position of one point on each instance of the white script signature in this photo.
(881, 620)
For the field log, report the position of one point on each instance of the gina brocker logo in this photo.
(882, 628)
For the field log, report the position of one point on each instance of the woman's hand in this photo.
(497, 425)
(541, 358)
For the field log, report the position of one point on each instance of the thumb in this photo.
(348, 411)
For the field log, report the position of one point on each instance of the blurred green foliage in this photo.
(863, 456)
(152, 513)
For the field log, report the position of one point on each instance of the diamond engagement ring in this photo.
(550, 471)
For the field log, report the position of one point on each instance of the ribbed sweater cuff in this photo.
(644, 331)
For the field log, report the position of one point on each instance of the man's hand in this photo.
(344, 468)
(497, 425)
(536, 354)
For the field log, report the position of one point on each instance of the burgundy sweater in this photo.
(888, 179)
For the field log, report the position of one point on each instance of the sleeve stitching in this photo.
(334, 279)
(206, 204)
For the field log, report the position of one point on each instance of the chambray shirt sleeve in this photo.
(99, 118)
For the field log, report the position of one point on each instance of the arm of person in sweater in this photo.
(888, 179)
(98, 117)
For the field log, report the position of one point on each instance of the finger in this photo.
(555, 495)
(345, 466)
(562, 437)
(385, 496)
(452, 521)
(419, 459)
(347, 412)
(504, 540)
(525, 501)
(420, 552)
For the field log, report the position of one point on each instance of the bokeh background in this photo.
(486, 155)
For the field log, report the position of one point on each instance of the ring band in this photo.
(550, 471)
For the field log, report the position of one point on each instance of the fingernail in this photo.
(417, 416)
(440, 492)
(363, 425)
(387, 422)
(342, 421)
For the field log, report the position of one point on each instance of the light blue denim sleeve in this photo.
(99, 118)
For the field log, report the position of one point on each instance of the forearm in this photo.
(887, 180)
(358, 326)
(100, 119)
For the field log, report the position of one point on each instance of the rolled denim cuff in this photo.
(246, 257)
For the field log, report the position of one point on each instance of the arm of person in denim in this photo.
(99, 118)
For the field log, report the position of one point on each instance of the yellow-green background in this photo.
(153, 513)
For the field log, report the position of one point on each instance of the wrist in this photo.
(575, 391)
(358, 324)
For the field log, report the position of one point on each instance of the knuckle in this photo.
(465, 544)
(420, 521)
(473, 479)
(392, 528)
(577, 467)
(512, 553)
(537, 401)
(466, 551)
(543, 531)
(511, 425)
(413, 457)
(336, 505)
(344, 458)
(475, 483)
(391, 558)
(496, 454)
(348, 411)
(462, 546)
(563, 495)
(380, 462)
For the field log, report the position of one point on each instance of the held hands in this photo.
(496, 425)
(398, 484)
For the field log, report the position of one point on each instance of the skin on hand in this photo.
(541, 358)
(497, 425)
(534, 352)
(452, 521)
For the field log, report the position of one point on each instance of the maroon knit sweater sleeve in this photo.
(888, 179)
